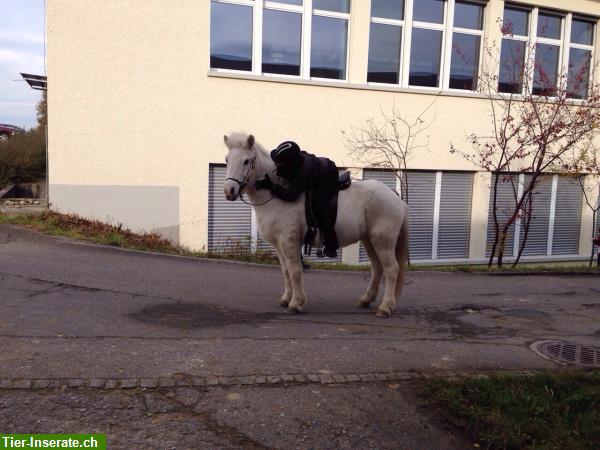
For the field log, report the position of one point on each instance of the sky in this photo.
(21, 50)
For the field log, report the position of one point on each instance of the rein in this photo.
(244, 182)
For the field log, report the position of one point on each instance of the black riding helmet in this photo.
(287, 154)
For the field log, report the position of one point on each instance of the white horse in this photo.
(367, 211)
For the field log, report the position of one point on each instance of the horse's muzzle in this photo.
(231, 190)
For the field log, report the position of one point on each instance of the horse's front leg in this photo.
(291, 254)
(287, 293)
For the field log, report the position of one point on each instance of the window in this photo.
(281, 37)
(329, 41)
(542, 48)
(466, 45)
(515, 27)
(282, 42)
(385, 41)
(231, 49)
(426, 43)
(580, 57)
(547, 53)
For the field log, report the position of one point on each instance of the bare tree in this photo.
(586, 172)
(541, 123)
(391, 141)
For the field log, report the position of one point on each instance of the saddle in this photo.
(344, 183)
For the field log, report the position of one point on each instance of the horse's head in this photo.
(241, 158)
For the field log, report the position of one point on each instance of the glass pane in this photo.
(431, 11)
(579, 72)
(282, 33)
(328, 47)
(388, 9)
(230, 36)
(384, 53)
(464, 67)
(545, 74)
(549, 25)
(289, 2)
(342, 6)
(512, 58)
(425, 53)
(582, 32)
(468, 15)
(516, 21)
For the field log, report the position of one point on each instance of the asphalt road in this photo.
(73, 311)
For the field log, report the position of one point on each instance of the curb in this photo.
(240, 381)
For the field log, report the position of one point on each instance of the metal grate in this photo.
(568, 353)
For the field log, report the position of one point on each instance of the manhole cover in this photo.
(568, 353)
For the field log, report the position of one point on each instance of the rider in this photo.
(305, 171)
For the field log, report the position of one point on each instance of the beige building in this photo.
(142, 91)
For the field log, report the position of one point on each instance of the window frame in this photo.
(251, 4)
(447, 28)
(564, 44)
(569, 45)
(307, 12)
(469, 31)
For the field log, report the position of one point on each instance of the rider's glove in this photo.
(265, 183)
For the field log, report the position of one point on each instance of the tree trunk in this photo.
(528, 216)
(593, 237)
(496, 224)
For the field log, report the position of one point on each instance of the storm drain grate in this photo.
(568, 353)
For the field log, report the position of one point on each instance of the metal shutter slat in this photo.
(455, 215)
(505, 202)
(537, 239)
(567, 218)
(228, 222)
(421, 202)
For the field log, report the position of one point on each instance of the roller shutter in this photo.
(228, 222)
(537, 238)
(455, 215)
(505, 203)
(421, 203)
(567, 217)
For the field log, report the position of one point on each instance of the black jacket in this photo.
(305, 176)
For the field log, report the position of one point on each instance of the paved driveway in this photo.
(203, 346)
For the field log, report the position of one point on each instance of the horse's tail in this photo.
(402, 255)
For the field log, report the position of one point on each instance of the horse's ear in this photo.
(250, 142)
(226, 140)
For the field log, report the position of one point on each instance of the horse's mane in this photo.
(239, 139)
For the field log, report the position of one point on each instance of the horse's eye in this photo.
(246, 162)
(226, 160)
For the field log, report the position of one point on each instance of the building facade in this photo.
(148, 88)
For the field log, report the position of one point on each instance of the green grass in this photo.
(75, 227)
(545, 411)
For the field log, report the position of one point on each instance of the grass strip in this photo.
(76, 227)
(550, 410)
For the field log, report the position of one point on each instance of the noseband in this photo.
(244, 182)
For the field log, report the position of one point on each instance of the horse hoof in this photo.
(383, 313)
(363, 304)
(284, 303)
(293, 310)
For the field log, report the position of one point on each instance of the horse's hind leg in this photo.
(385, 249)
(287, 294)
(376, 274)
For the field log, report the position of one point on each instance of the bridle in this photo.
(244, 182)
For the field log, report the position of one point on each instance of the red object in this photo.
(7, 131)
(596, 241)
